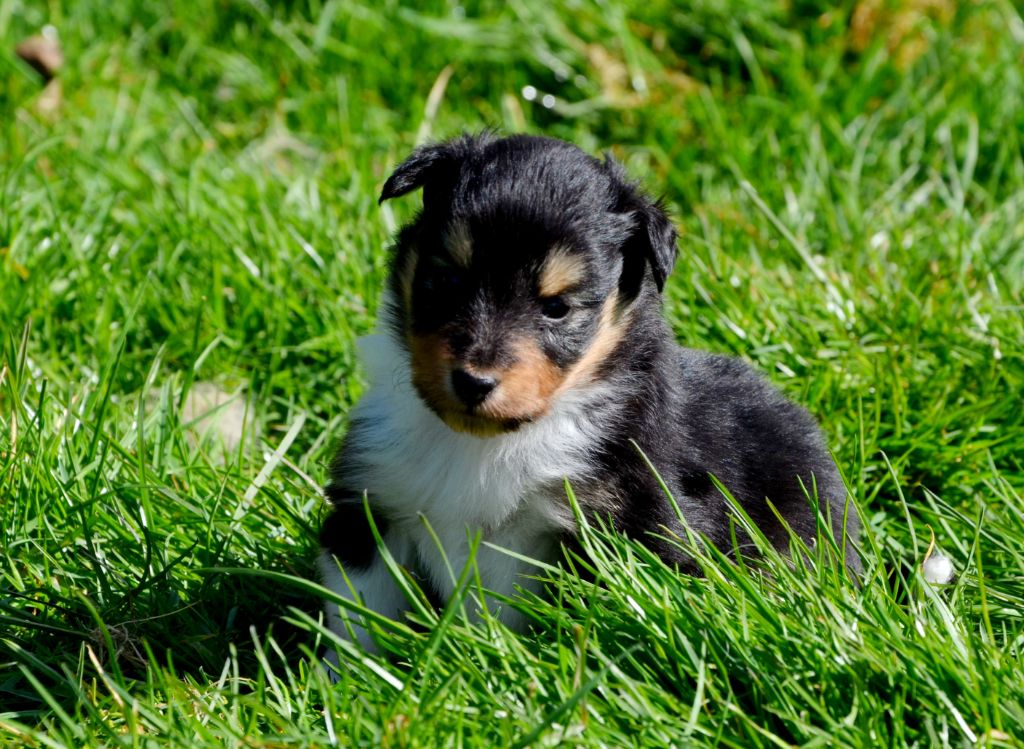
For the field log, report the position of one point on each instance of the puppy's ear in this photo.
(425, 165)
(653, 238)
(435, 167)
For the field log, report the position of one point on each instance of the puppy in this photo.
(523, 344)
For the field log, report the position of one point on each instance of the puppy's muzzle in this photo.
(472, 389)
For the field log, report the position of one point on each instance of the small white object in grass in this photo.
(937, 569)
(214, 412)
(529, 93)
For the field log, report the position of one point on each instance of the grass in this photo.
(197, 204)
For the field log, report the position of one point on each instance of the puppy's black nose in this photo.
(472, 389)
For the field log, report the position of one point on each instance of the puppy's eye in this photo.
(444, 278)
(554, 307)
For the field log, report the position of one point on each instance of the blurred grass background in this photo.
(190, 204)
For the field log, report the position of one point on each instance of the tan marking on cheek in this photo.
(480, 427)
(610, 330)
(459, 243)
(525, 390)
(560, 272)
(405, 277)
(430, 363)
(528, 388)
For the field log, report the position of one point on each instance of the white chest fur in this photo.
(508, 487)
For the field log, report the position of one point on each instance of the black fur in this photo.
(693, 414)
(346, 532)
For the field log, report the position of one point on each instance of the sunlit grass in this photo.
(198, 213)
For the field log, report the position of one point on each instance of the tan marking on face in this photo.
(405, 277)
(431, 363)
(610, 330)
(525, 390)
(459, 244)
(560, 272)
(478, 426)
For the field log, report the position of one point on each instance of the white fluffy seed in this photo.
(937, 569)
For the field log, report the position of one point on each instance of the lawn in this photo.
(188, 211)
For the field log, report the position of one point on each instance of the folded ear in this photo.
(654, 237)
(651, 241)
(434, 167)
(426, 164)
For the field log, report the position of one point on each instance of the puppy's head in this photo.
(518, 280)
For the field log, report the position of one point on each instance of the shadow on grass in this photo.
(193, 632)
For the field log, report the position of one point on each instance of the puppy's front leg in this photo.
(349, 546)
(500, 572)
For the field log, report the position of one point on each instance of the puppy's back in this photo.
(741, 429)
